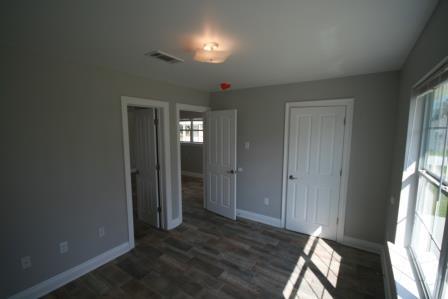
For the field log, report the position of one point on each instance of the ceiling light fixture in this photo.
(210, 53)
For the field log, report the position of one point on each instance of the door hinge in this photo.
(340, 172)
(157, 167)
(159, 209)
(337, 220)
(344, 121)
(156, 121)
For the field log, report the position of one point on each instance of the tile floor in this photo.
(209, 256)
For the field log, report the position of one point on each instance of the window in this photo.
(191, 130)
(432, 195)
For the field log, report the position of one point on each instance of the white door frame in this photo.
(165, 170)
(193, 108)
(348, 103)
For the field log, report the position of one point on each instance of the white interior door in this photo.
(145, 164)
(221, 169)
(315, 146)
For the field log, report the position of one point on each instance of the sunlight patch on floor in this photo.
(293, 278)
(327, 261)
(316, 285)
(317, 256)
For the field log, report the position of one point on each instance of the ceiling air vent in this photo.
(164, 57)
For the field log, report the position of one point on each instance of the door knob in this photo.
(291, 177)
(231, 171)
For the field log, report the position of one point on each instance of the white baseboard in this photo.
(362, 244)
(192, 174)
(259, 218)
(387, 275)
(65, 277)
(175, 223)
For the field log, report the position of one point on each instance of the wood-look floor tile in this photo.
(136, 289)
(209, 256)
(135, 269)
(206, 267)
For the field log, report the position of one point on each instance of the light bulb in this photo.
(211, 46)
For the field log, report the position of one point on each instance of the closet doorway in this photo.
(147, 165)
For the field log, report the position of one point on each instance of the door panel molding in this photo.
(221, 167)
(349, 105)
(145, 161)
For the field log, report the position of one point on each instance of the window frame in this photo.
(442, 185)
(191, 130)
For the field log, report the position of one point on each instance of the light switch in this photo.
(246, 145)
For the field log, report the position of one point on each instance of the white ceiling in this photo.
(272, 42)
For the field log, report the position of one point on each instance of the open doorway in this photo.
(145, 170)
(191, 140)
(215, 186)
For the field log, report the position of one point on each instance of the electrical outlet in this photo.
(63, 247)
(26, 262)
(101, 232)
(266, 201)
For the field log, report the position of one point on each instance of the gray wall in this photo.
(191, 157)
(190, 114)
(430, 49)
(62, 161)
(191, 154)
(261, 122)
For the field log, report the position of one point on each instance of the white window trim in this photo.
(419, 123)
(437, 182)
(408, 194)
(409, 187)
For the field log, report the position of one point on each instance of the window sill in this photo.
(406, 281)
(191, 143)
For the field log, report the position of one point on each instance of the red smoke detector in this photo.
(225, 85)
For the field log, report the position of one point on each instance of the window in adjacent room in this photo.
(191, 130)
(427, 242)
